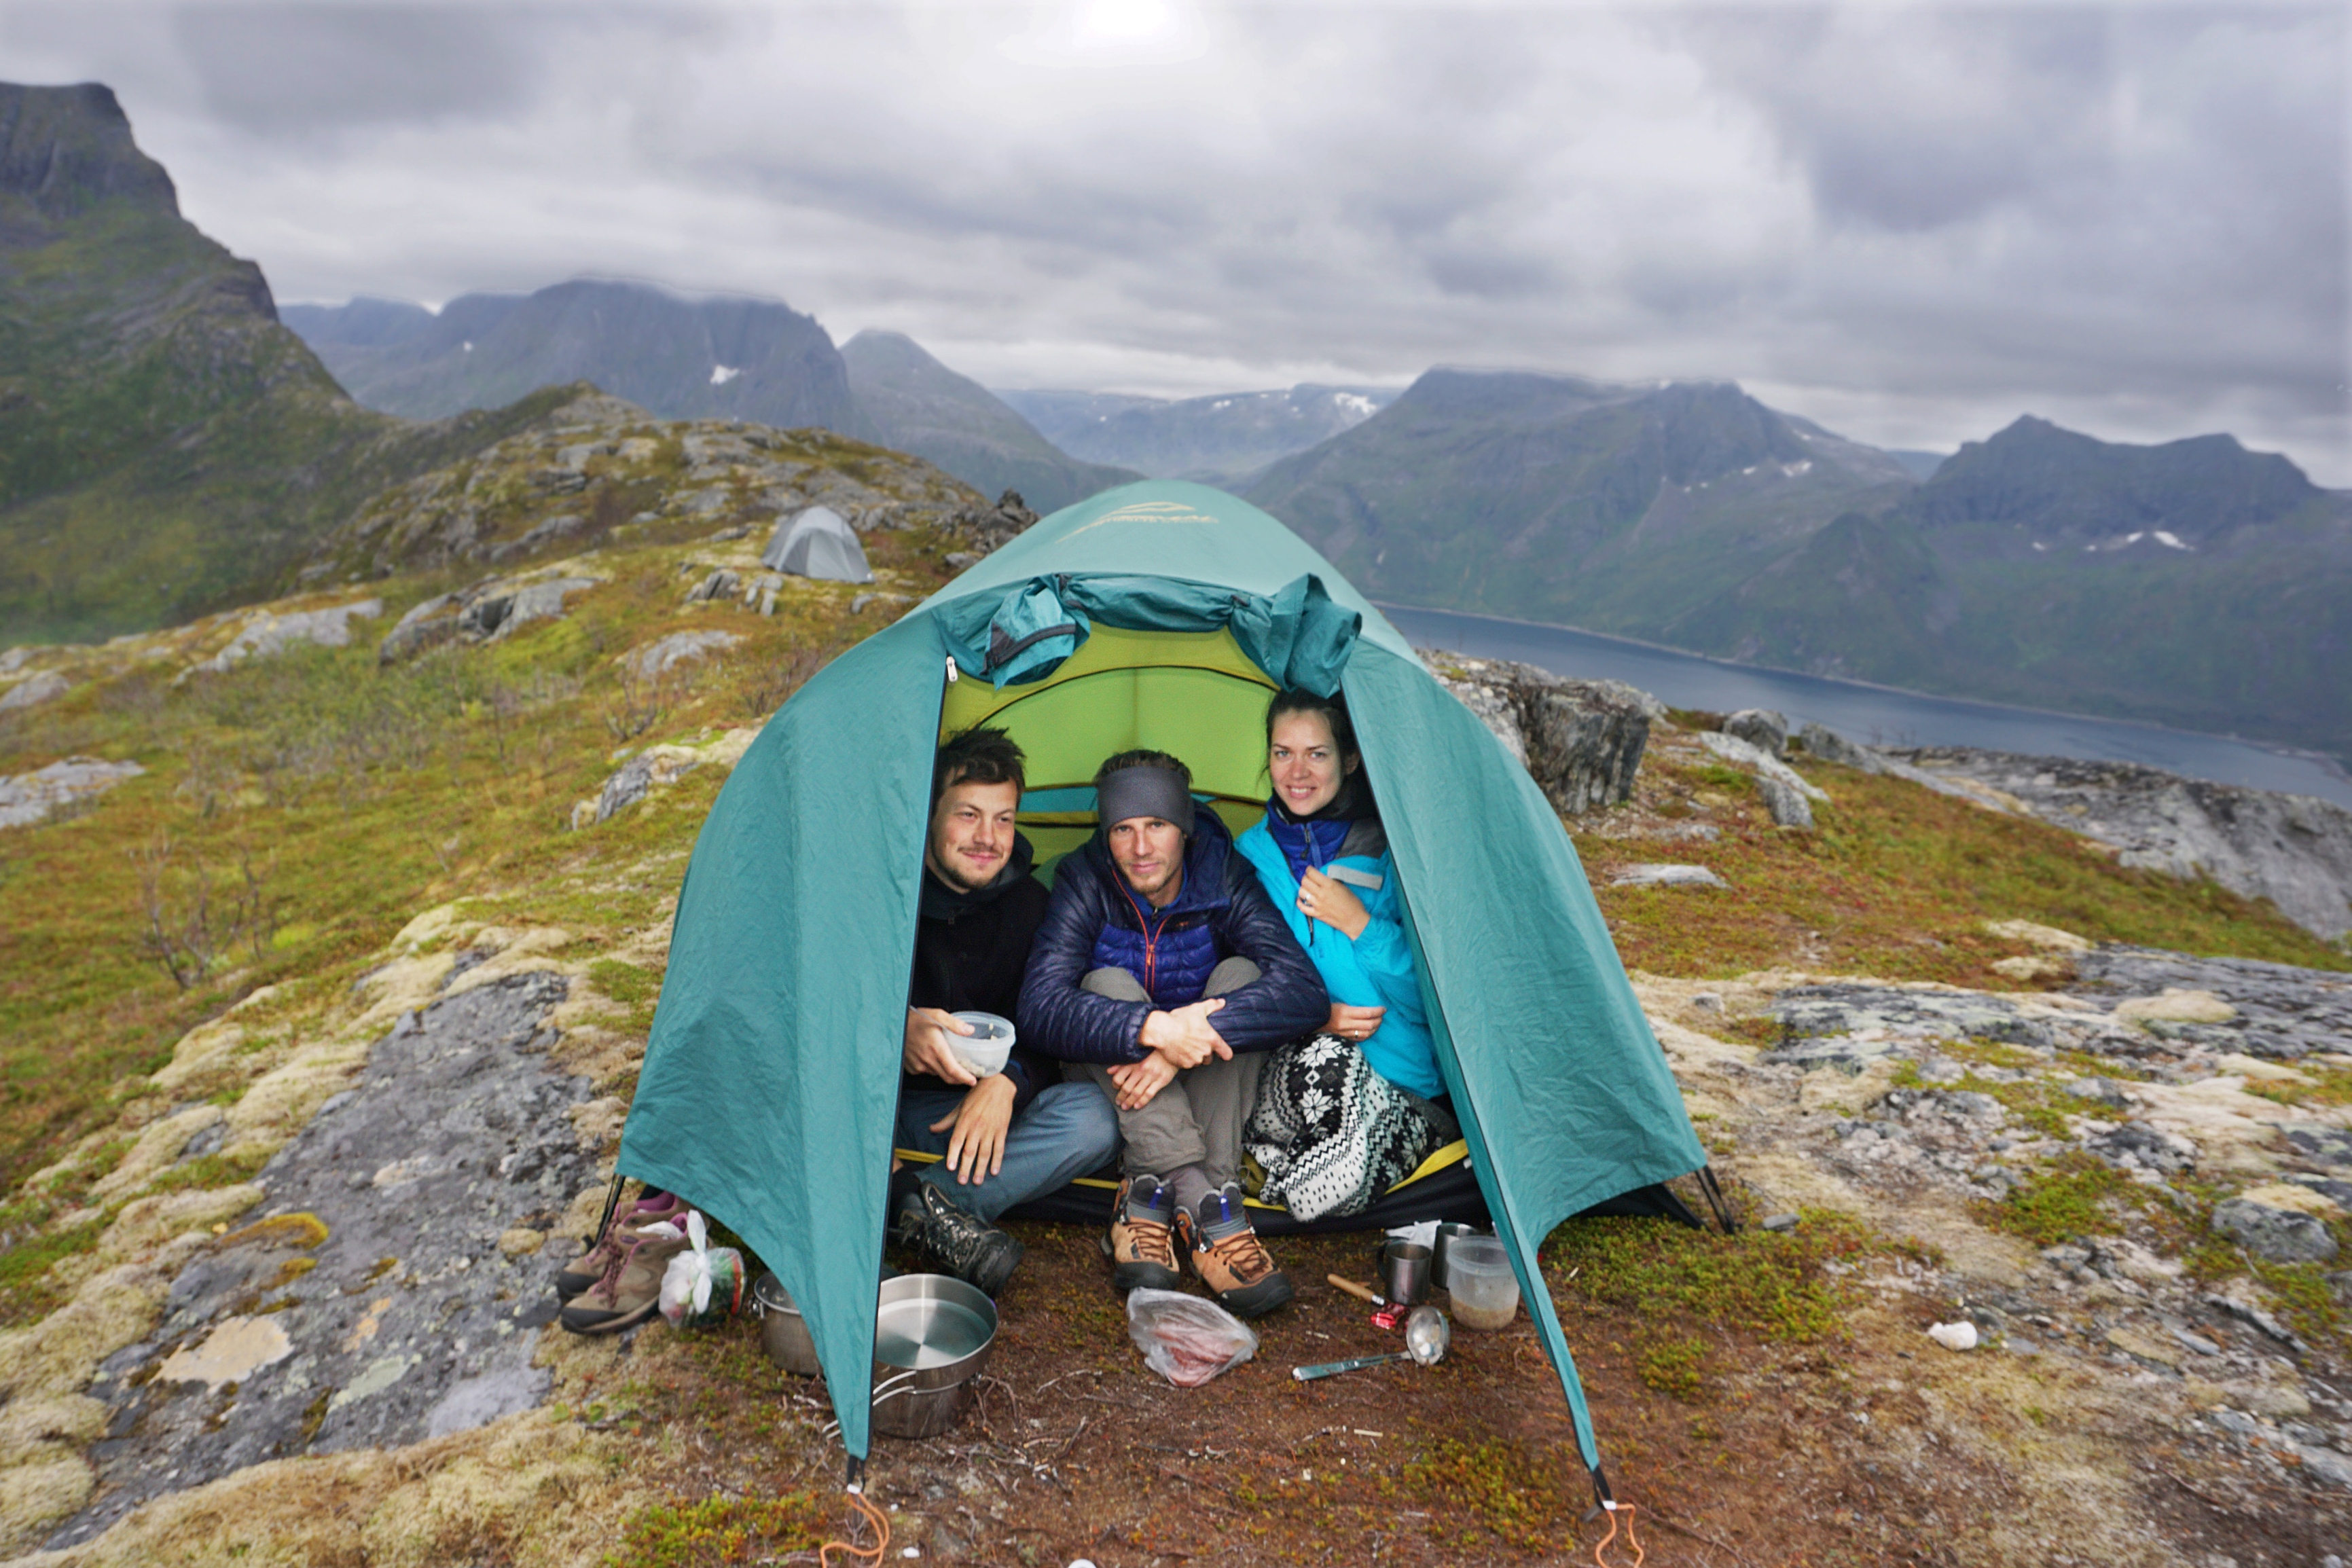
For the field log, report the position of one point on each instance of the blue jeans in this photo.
(1068, 1131)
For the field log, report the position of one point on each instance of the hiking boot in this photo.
(1142, 1240)
(956, 1240)
(1229, 1258)
(589, 1267)
(630, 1288)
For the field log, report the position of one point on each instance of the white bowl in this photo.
(987, 1048)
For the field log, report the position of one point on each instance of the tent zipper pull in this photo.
(951, 670)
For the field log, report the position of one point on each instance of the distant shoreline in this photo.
(2326, 761)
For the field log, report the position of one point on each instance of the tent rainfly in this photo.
(817, 543)
(1156, 615)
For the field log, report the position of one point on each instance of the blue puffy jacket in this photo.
(1094, 921)
(1376, 969)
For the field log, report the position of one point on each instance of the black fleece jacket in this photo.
(971, 949)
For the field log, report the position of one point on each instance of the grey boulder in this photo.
(2278, 1235)
(1760, 727)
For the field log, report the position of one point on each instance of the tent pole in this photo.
(612, 1202)
(1714, 1200)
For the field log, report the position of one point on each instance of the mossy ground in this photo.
(1896, 881)
(321, 801)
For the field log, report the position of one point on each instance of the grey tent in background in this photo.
(818, 543)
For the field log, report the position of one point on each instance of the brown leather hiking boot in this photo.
(1229, 1258)
(631, 1288)
(585, 1270)
(1142, 1242)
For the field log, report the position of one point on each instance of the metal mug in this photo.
(1405, 1272)
(1447, 1233)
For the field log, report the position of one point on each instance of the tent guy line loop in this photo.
(869, 1514)
(1600, 1552)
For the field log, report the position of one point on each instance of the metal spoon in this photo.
(1426, 1336)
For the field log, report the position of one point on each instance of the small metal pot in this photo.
(932, 1336)
(1448, 1232)
(783, 1330)
(1405, 1272)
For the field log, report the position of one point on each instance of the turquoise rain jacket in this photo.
(1375, 970)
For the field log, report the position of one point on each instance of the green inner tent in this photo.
(1158, 614)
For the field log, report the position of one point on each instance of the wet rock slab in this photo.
(1849, 1026)
(2283, 1012)
(366, 1301)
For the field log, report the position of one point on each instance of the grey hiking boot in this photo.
(1230, 1258)
(630, 1289)
(1142, 1243)
(588, 1268)
(956, 1241)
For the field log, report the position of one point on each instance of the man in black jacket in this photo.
(1014, 1134)
(1162, 973)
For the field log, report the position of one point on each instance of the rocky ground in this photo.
(292, 1274)
(2291, 849)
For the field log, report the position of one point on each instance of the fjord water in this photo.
(1879, 715)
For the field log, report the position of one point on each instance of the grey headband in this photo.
(1143, 792)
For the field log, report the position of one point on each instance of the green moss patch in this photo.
(2075, 1194)
(1777, 1285)
(1898, 881)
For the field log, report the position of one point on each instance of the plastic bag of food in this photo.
(1186, 1339)
(702, 1284)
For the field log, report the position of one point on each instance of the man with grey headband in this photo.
(1163, 972)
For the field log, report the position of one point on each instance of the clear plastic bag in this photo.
(1184, 1339)
(702, 1284)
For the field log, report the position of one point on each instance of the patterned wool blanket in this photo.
(1329, 1134)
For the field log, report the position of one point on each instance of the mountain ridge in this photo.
(2190, 582)
(1221, 438)
(921, 407)
(724, 357)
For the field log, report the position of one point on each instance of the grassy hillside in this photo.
(299, 814)
(1576, 502)
(165, 446)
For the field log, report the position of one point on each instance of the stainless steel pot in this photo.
(783, 1330)
(932, 1336)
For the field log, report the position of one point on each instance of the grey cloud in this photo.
(2133, 213)
(1914, 120)
(290, 67)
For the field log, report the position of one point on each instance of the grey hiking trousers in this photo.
(1198, 1119)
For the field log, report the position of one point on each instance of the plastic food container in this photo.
(1478, 1277)
(986, 1048)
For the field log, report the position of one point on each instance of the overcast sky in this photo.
(1910, 222)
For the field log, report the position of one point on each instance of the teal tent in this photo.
(1158, 614)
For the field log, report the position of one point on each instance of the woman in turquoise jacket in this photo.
(1324, 859)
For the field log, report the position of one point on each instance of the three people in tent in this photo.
(1162, 974)
(1185, 1001)
(1018, 1133)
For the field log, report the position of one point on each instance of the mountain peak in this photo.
(64, 150)
(2077, 487)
